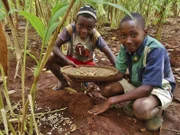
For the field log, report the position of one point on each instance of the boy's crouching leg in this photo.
(53, 64)
(50, 63)
(111, 89)
(148, 109)
(105, 90)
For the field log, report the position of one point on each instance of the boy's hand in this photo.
(72, 63)
(100, 108)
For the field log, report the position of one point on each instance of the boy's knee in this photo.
(106, 91)
(141, 109)
(52, 58)
(49, 62)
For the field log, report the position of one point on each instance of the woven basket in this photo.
(89, 73)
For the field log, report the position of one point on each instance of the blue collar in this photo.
(142, 46)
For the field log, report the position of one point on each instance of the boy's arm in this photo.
(101, 45)
(63, 37)
(57, 51)
(139, 92)
(106, 50)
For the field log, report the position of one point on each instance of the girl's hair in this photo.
(137, 17)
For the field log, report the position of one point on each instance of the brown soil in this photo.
(74, 119)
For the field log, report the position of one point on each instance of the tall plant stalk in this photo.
(1, 101)
(39, 9)
(1, 98)
(161, 18)
(24, 64)
(16, 15)
(32, 114)
(22, 3)
(6, 122)
(24, 58)
(5, 91)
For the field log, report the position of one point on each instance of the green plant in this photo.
(45, 34)
(44, 59)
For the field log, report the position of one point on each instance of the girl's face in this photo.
(84, 26)
(132, 35)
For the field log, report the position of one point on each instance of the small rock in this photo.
(103, 59)
(143, 129)
(73, 127)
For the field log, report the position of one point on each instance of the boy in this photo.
(152, 80)
(83, 38)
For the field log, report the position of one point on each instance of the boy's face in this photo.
(84, 26)
(132, 35)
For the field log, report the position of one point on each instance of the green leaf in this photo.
(119, 7)
(57, 7)
(156, 7)
(2, 13)
(1, 133)
(58, 11)
(4, 118)
(12, 11)
(32, 56)
(35, 22)
(114, 5)
(2, 16)
(50, 30)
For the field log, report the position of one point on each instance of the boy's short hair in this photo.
(87, 11)
(137, 17)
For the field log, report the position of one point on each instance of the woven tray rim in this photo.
(96, 78)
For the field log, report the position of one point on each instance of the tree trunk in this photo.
(17, 46)
(3, 50)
